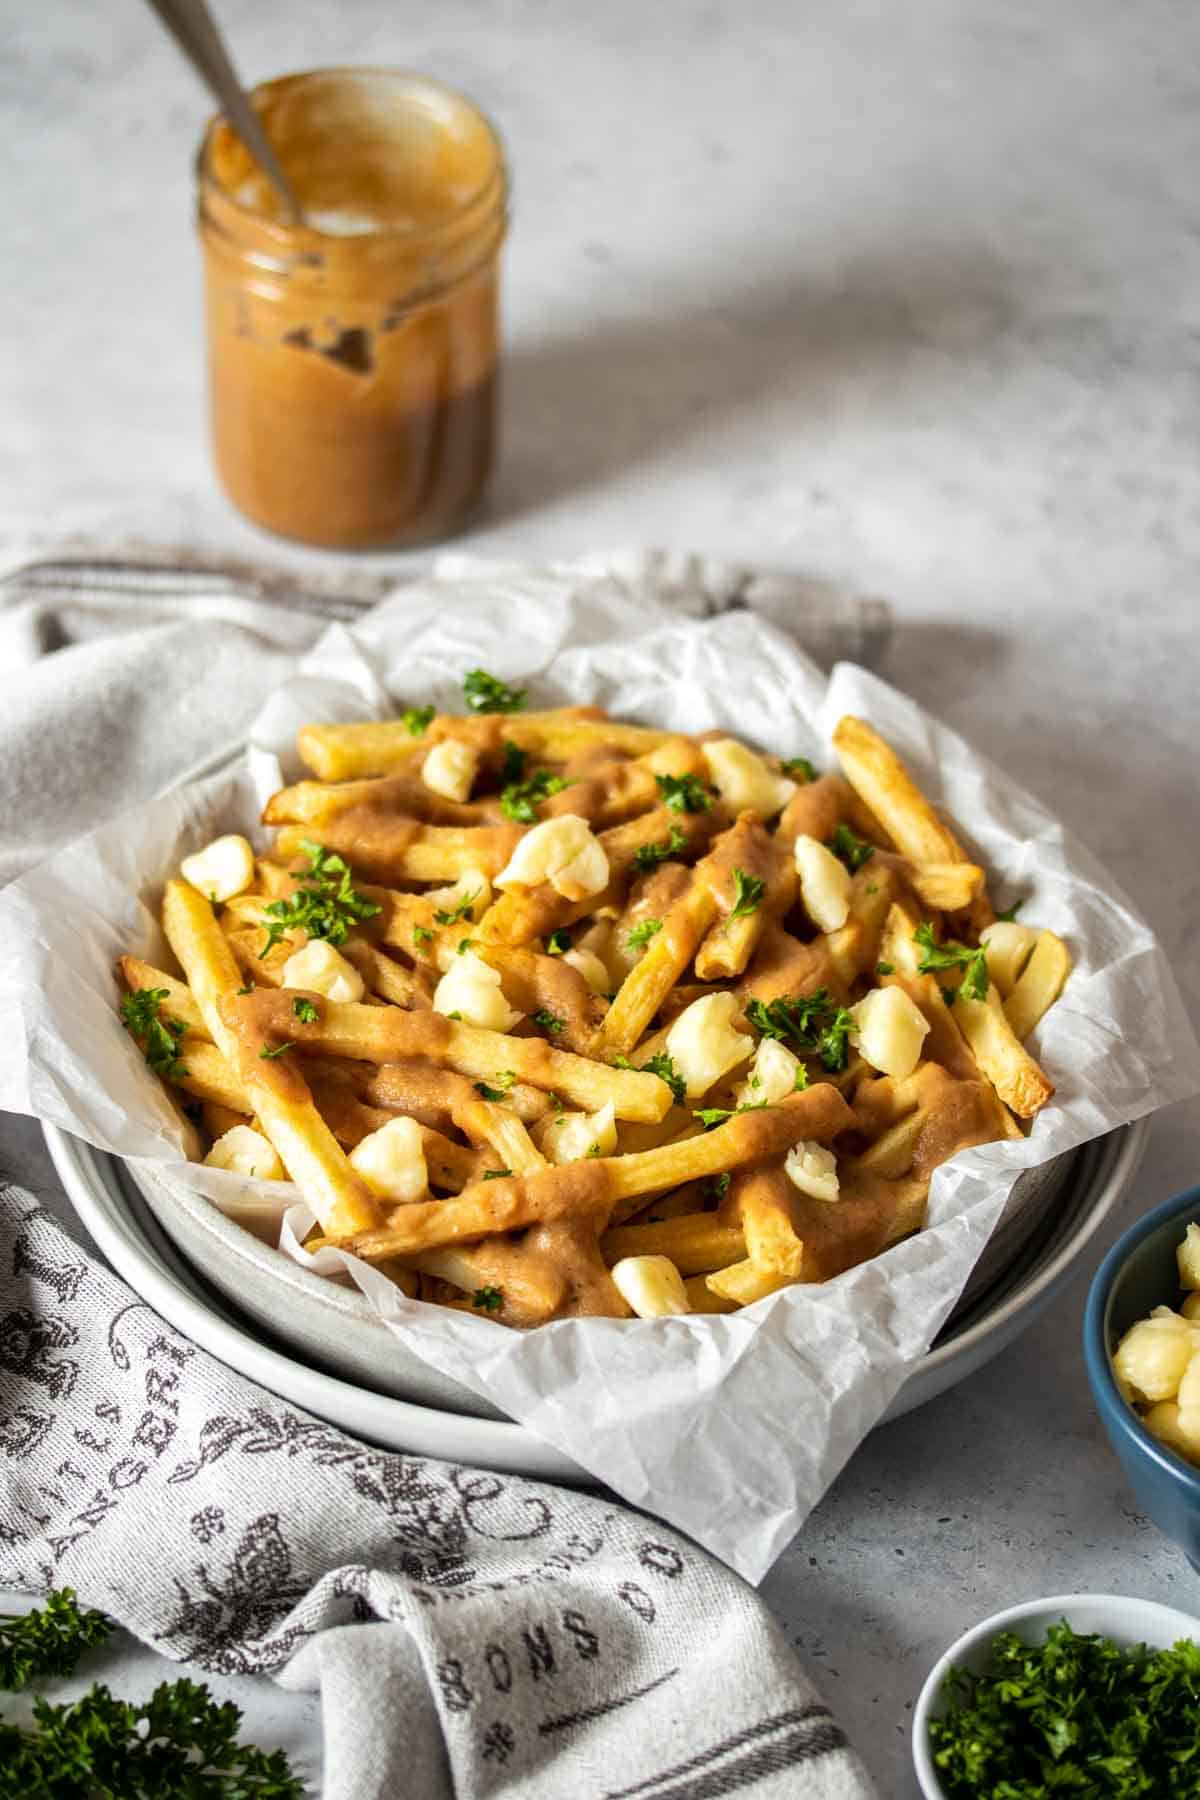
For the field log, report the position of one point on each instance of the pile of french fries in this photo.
(548, 1015)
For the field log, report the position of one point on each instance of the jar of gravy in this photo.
(352, 357)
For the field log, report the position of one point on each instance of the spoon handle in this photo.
(194, 30)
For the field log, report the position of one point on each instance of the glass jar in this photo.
(352, 359)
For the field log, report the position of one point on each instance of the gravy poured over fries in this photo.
(549, 1015)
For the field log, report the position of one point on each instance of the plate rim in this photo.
(509, 1445)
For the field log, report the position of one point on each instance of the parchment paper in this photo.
(733, 1426)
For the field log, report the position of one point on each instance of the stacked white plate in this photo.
(330, 1333)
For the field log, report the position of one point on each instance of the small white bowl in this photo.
(1124, 1620)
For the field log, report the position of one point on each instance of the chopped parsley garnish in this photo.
(495, 1174)
(662, 1065)
(464, 944)
(520, 799)
(142, 1016)
(417, 719)
(885, 968)
(952, 955)
(452, 914)
(801, 1081)
(1009, 913)
(684, 793)
(717, 1186)
(1077, 1714)
(812, 1022)
(710, 1116)
(484, 693)
(489, 1299)
(547, 1020)
(849, 848)
(503, 1082)
(557, 1105)
(422, 935)
(266, 1055)
(748, 891)
(248, 989)
(799, 768)
(305, 1011)
(648, 856)
(641, 934)
(559, 942)
(324, 906)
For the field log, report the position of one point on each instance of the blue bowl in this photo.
(1138, 1274)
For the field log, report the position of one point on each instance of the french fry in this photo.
(344, 752)
(489, 1207)
(400, 850)
(819, 1113)
(1039, 986)
(387, 1034)
(305, 1145)
(1014, 1074)
(650, 980)
(697, 1243)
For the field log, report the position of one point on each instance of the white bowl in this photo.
(1125, 1620)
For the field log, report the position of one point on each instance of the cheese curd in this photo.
(222, 869)
(651, 1285)
(812, 1169)
(450, 769)
(1187, 1258)
(703, 1044)
(889, 1030)
(392, 1161)
(320, 969)
(472, 989)
(1008, 947)
(572, 1136)
(744, 781)
(562, 851)
(590, 967)
(772, 1077)
(472, 890)
(824, 884)
(1153, 1356)
(245, 1151)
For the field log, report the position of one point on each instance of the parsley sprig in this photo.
(642, 933)
(178, 1745)
(812, 1022)
(142, 1016)
(326, 905)
(849, 848)
(1077, 1714)
(485, 693)
(799, 768)
(748, 891)
(417, 719)
(496, 1091)
(684, 793)
(489, 1299)
(662, 1065)
(450, 915)
(547, 1020)
(559, 942)
(952, 955)
(520, 800)
(649, 856)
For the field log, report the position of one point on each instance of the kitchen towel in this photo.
(469, 1633)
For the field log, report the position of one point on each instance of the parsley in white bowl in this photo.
(1063, 1681)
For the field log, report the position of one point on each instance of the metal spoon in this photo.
(194, 30)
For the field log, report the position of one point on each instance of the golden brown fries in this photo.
(524, 1003)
